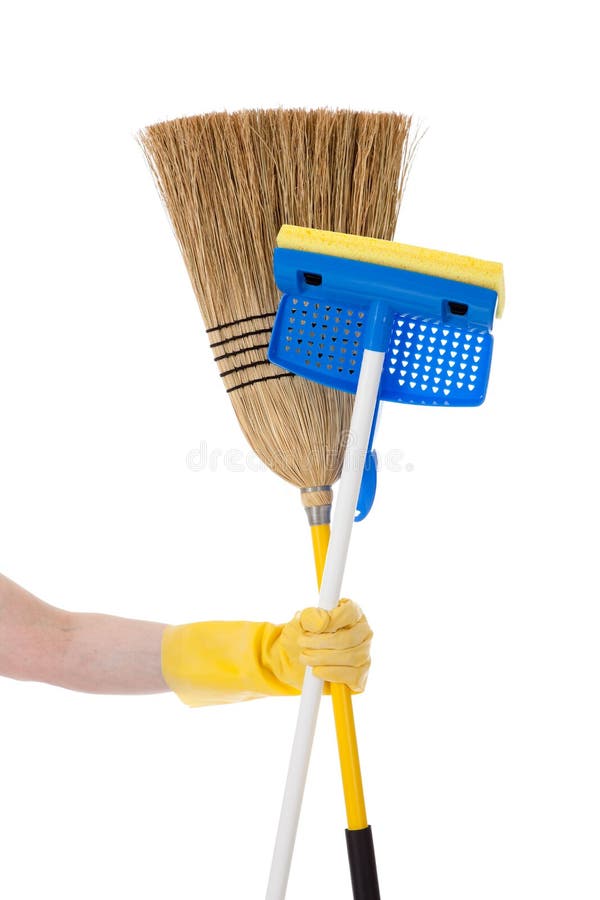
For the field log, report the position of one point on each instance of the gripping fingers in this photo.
(337, 659)
(320, 621)
(335, 643)
(345, 639)
(346, 614)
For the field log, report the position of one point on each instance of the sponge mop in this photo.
(384, 321)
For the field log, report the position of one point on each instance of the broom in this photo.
(229, 181)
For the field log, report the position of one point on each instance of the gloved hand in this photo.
(206, 663)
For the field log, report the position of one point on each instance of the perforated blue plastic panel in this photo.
(320, 340)
(428, 361)
(435, 363)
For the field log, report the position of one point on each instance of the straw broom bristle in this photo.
(229, 181)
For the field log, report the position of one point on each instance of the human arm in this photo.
(203, 662)
(225, 662)
(90, 652)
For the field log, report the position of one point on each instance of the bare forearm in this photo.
(110, 655)
(81, 651)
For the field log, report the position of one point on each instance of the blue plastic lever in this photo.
(368, 485)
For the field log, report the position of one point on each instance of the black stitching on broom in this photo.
(237, 337)
(257, 380)
(261, 362)
(239, 321)
(243, 350)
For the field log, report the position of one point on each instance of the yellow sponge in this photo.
(398, 256)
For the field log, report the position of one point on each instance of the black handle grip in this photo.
(363, 868)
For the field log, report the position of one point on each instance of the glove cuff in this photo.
(208, 663)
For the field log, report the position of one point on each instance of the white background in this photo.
(479, 730)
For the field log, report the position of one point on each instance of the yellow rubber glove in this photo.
(223, 662)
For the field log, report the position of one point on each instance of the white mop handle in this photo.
(331, 585)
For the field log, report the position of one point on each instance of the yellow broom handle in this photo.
(344, 717)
